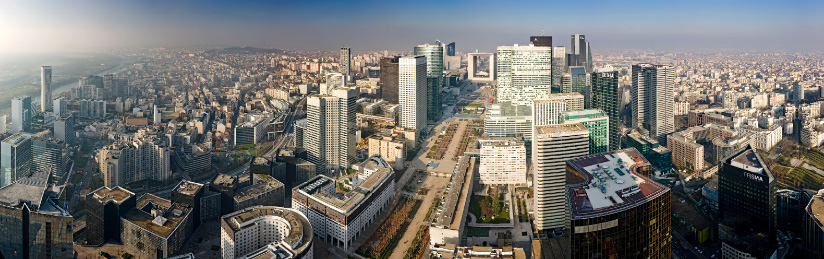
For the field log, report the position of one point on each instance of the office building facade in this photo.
(434, 58)
(605, 96)
(596, 122)
(412, 92)
(580, 54)
(15, 158)
(746, 204)
(389, 79)
(524, 73)
(551, 146)
(21, 114)
(616, 210)
(433, 98)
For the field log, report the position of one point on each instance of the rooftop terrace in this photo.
(612, 184)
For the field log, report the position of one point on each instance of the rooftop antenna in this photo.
(542, 32)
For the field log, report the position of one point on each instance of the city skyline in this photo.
(32, 27)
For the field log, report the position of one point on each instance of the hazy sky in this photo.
(84, 25)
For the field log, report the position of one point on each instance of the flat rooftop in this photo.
(559, 128)
(188, 188)
(816, 209)
(747, 160)
(224, 180)
(322, 189)
(300, 230)
(267, 184)
(455, 193)
(117, 194)
(612, 184)
(174, 215)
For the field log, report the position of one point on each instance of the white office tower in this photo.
(333, 81)
(552, 145)
(45, 88)
(155, 115)
(412, 92)
(329, 137)
(524, 73)
(503, 161)
(652, 99)
(345, 61)
(546, 111)
(60, 106)
(559, 64)
(21, 114)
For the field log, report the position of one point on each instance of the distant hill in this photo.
(245, 50)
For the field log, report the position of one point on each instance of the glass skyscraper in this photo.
(596, 122)
(433, 100)
(605, 97)
(434, 58)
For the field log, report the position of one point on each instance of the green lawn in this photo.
(501, 216)
(245, 146)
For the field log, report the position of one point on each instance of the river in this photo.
(5, 107)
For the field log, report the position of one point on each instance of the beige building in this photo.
(503, 161)
(685, 152)
(389, 148)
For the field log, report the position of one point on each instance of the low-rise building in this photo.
(156, 228)
(266, 232)
(340, 215)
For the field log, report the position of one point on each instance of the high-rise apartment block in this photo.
(412, 92)
(145, 156)
(524, 73)
(329, 137)
(552, 145)
(652, 99)
(503, 161)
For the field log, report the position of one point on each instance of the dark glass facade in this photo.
(389, 79)
(541, 41)
(639, 232)
(746, 202)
